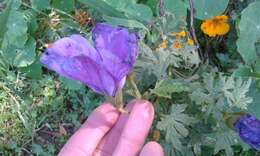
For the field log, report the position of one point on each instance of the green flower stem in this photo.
(135, 90)
(118, 101)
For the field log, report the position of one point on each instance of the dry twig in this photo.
(161, 10)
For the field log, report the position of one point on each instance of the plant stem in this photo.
(118, 101)
(192, 29)
(161, 10)
(135, 89)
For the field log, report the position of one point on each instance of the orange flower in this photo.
(190, 42)
(215, 26)
(177, 45)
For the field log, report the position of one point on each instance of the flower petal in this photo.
(83, 69)
(117, 47)
(74, 45)
(89, 72)
(117, 41)
(52, 61)
(103, 69)
(248, 128)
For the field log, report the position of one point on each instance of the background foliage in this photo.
(193, 87)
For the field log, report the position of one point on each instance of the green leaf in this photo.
(40, 4)
(16, 4)
(208, 8)
(120, 4)
(64, 5)
(242, 71)
(224, 140)
(152, 4)
(4, 17)
(31, 18)
(124, 22)
(33, 71)
(249, 32)
(164, 88)
(219, 93)
(235, 91)
(122, 9)
(17, 28)
(176, 7)
(140, 12)
(3, 64)
(26, 55)
(175, 124)
(132, 10)
(71, 84)
(13, 26)
(37, 149)
(20, 56)
(254, 107)
(103, 7)
(246, 71)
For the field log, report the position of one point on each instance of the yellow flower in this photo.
(215, 26)
(190, 41)
(177, 45)
(162, 45)
(179, 34)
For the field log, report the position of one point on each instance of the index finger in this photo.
(136, 129)
(86, 139)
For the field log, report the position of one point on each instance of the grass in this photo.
(39, 115)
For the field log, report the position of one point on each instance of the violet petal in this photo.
(103, 69)
(248, 128)
(116, 41)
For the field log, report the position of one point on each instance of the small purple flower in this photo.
(104, 67)
(248, 128)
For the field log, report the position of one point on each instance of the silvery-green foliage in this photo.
(224, 138)
(164, 88)
(175, 125)
(169, 151)
(209, 95)
(157, 62)
(220, 92)
(235, 90)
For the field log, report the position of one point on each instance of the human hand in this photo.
(107, 132)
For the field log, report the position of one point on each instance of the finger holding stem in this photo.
(118, 101)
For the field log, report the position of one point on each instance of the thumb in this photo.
(152, 149)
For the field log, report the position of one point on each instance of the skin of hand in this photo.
(109, 133)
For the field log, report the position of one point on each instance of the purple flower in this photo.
(248, 128)
(104, 67)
